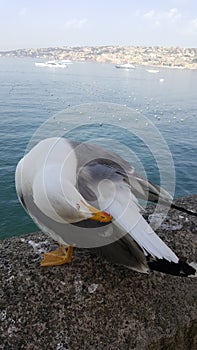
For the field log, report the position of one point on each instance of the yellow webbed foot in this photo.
(60, 256)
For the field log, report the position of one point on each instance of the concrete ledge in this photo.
(91, 304)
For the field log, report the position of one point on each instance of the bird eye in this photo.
(78, 206)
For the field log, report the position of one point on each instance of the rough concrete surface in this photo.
(92, 304)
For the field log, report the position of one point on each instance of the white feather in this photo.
(194, 265)
(117, 200)
(47, 175)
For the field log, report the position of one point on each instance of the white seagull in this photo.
(83, 195)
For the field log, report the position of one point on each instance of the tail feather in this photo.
(184, 210)
(181, 268)
(126, 213)
(125, 210)
(148, 240)
(194, 265)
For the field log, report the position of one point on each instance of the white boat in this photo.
(51, 64)
(66, 61)
(153, 70)
(125, 66)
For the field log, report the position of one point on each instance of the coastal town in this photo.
(138, 55)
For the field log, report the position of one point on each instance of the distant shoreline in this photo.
(153, 66)
(163, 57)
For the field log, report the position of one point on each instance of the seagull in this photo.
(86, 196)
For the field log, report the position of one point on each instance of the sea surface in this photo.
(30, 95)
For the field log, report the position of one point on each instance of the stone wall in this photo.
(92, 304)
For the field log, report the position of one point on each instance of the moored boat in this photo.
(51, 64)
(125, 66)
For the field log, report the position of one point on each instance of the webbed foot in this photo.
(60, 256)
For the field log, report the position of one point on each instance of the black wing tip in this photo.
(182, 268)
(184, 210)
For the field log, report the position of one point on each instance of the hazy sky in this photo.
(44, 23)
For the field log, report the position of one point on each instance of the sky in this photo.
(49, 23)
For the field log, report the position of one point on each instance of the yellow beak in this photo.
(99, 215)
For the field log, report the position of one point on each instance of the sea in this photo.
(31, 96)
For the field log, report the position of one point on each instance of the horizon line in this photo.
(81, 46)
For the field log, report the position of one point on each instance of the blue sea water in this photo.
(30, 95)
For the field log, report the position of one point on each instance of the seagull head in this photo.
(59, 199)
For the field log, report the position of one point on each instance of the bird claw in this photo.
(62, 255)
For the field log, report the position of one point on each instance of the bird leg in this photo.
(60, 256)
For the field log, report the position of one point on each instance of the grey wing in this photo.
(89, 155)
(124, 250)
